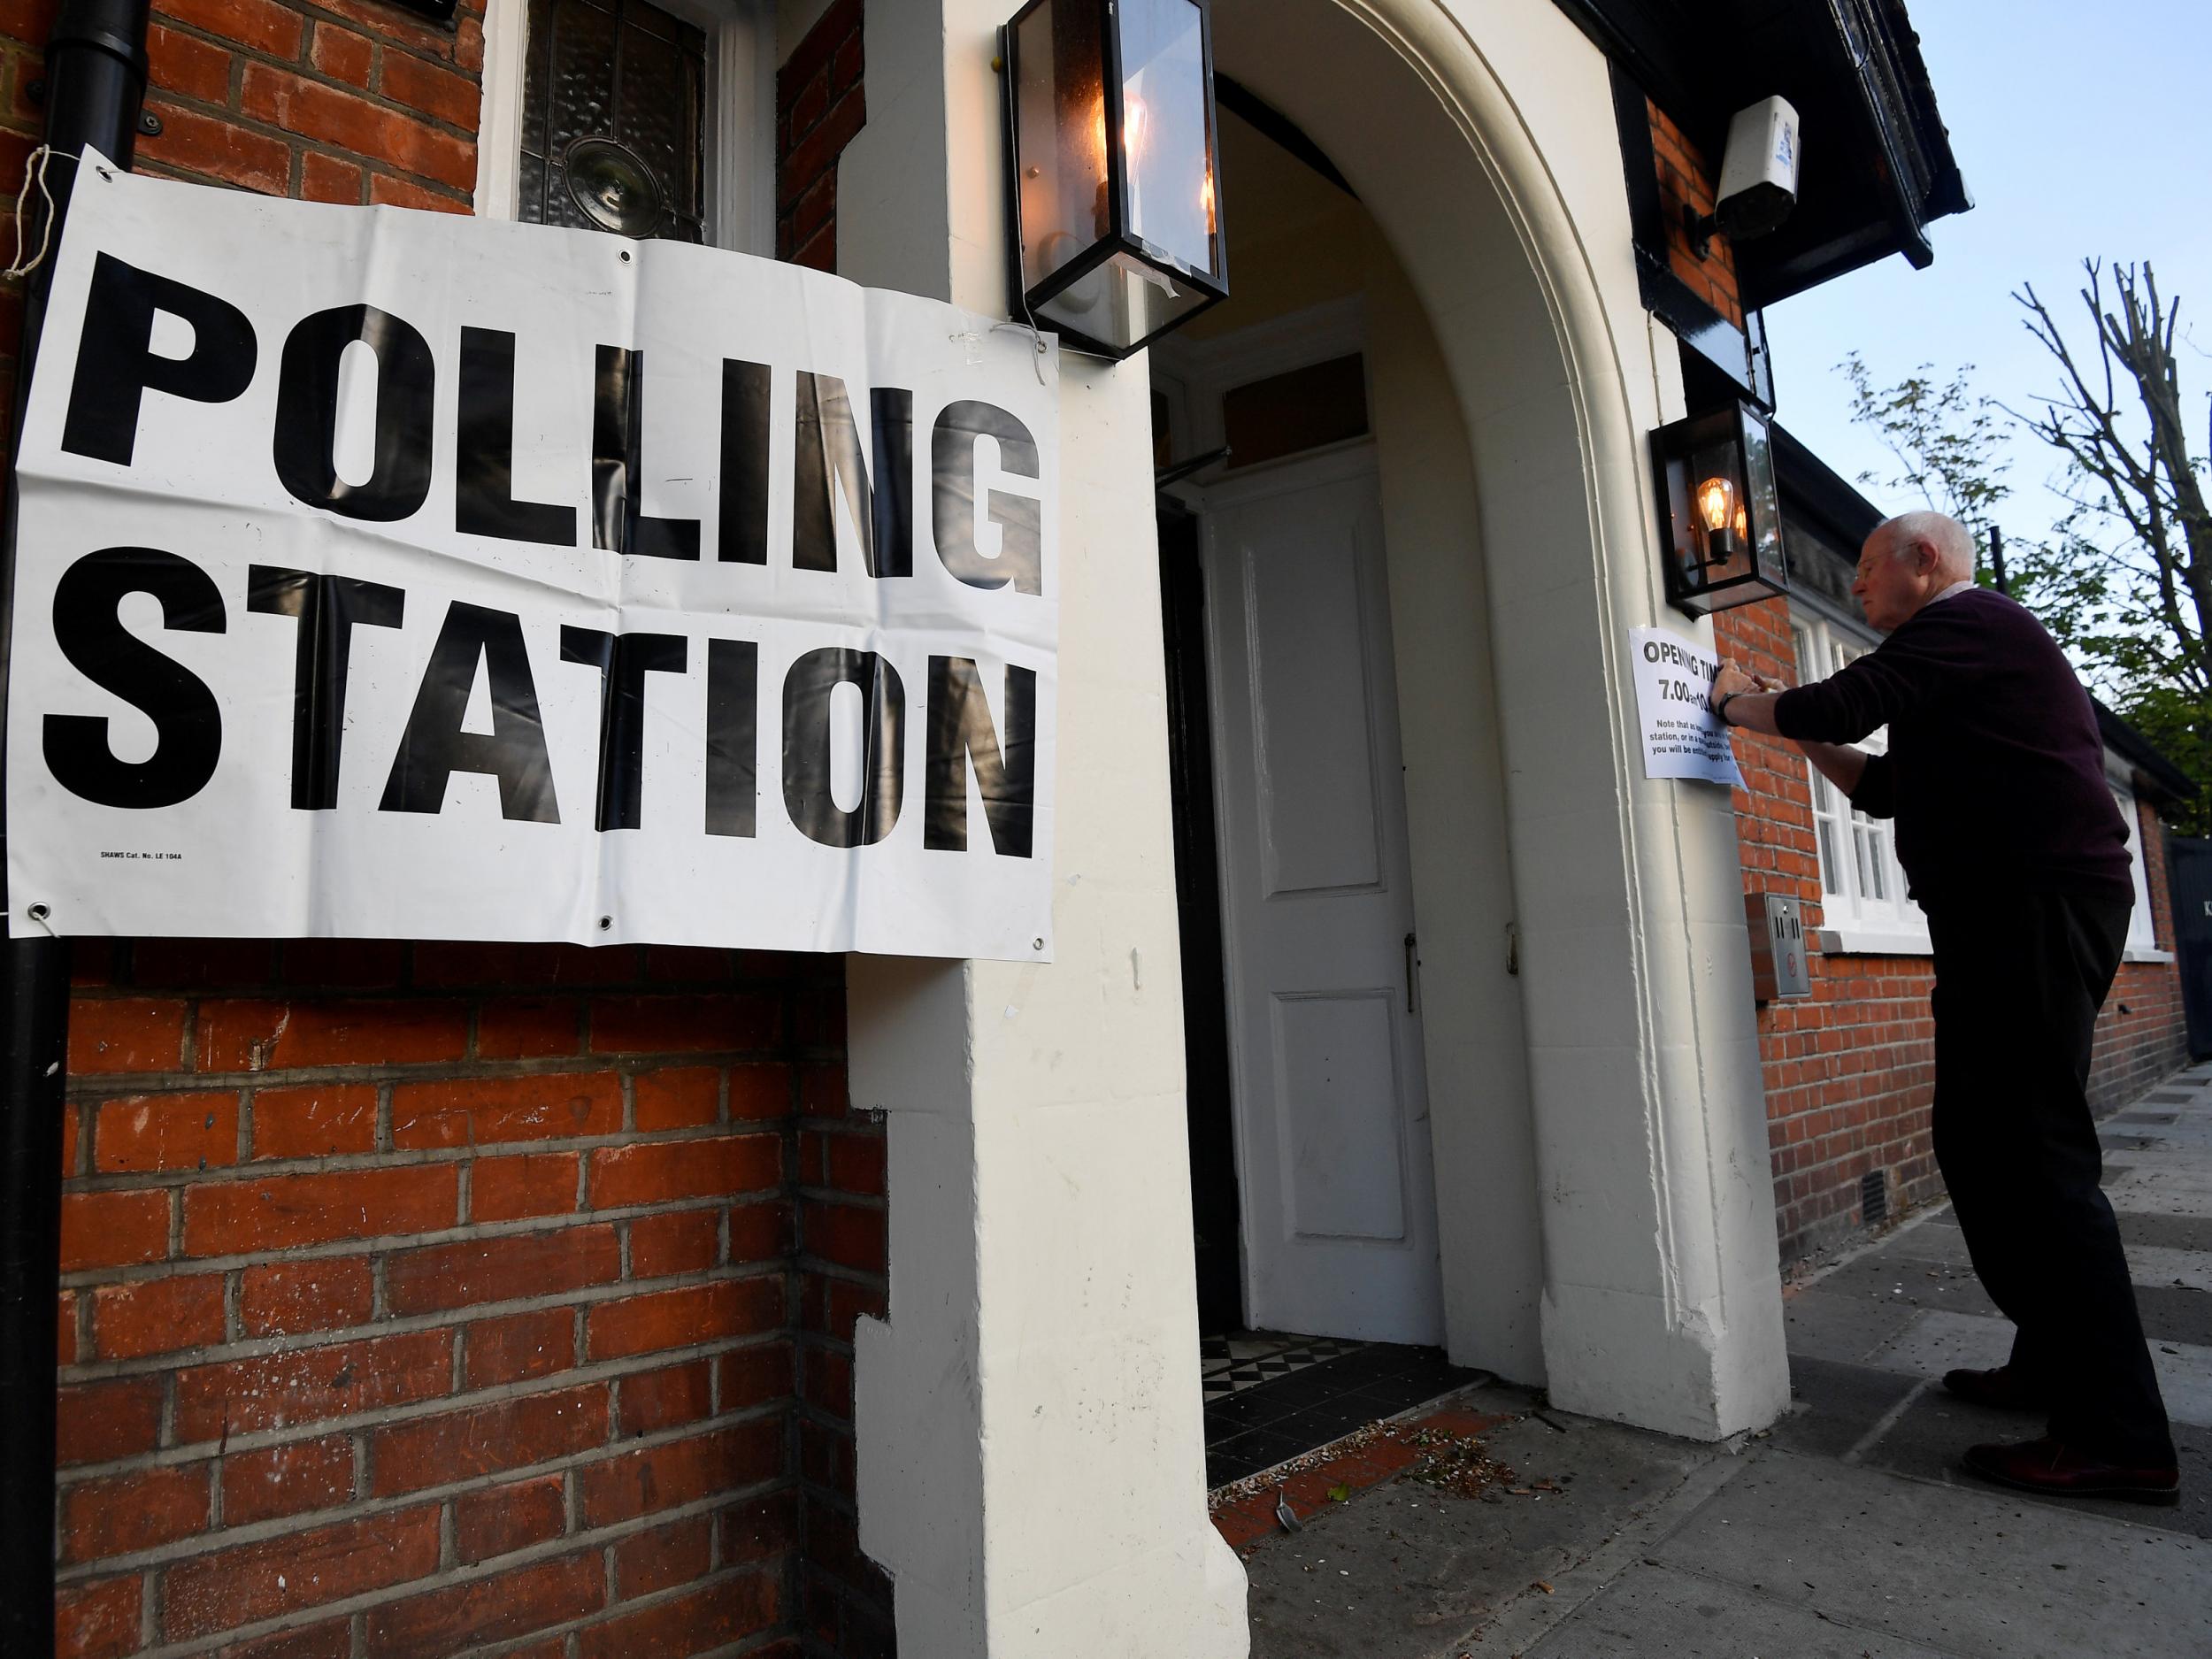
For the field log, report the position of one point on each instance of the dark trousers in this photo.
(2019, 979)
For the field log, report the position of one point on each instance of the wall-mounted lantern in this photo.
(1719, 512)
(1113, 200)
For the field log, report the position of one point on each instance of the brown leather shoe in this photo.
(2046, 1466)
(2001, 1389)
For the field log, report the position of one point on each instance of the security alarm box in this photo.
(1778, 969)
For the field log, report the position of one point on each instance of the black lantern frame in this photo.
(1116, 241)
(1720, 509)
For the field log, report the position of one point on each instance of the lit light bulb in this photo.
(1134, 119)
(1715, 503)
(1743, 524)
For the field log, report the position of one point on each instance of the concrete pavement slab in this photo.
(2175, 1313)
(1936, 1341)
(1405, 1572)
(1841, 1328)
(1926, 1440)
(1835, 1406)
(1966, 1573)
(1893, 1274)
(1651, 1611)
(2169, 1233)
(2150, 1264)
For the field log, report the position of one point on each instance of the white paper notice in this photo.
(1682, 737)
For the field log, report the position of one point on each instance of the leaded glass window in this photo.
(621, 69)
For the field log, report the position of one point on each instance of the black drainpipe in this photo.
(96, 83)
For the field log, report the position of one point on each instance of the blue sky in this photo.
(2082, 130)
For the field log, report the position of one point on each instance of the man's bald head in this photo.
(1950, 543)
(1906, 562)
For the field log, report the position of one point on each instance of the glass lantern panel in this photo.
(1766, 504)
(1121, 303)
(1164, 130)
(1060, 133)
(1719, 512)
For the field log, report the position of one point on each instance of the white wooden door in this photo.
(1330, 1093)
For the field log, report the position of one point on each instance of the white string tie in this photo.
(34, 172)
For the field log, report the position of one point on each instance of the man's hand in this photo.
(1732, 681)
(1754, 694)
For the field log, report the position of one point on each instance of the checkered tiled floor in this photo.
(1271, 1396)
(1243, 1359)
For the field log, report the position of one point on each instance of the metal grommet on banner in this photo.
(605, 923)
(34, 172)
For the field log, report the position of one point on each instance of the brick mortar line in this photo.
(873, 1277)
(413, 1324)
(177, 1080)
(414, 1157)
(386, 1244)
(196, 1544)
(232, 116)
(447, 1579)
(365, 1424)
(244, 51)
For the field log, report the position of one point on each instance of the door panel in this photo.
(1318, 787)
(1330, 1096)
(1336, 1092)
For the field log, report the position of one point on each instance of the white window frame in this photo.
(2142, 940)
(1866, 911)
(740, 135)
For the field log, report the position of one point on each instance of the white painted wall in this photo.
(1030, 1455)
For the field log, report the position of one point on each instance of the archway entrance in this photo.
(1314, 1197)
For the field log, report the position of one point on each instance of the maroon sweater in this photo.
(1995, 771)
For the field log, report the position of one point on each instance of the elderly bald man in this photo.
(2016, 851)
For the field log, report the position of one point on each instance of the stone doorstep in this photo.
(1366, 1458)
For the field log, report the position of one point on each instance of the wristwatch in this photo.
(1721, 708)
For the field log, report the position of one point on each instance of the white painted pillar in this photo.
(1031, 1460)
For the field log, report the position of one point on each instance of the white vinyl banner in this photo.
(394, 574)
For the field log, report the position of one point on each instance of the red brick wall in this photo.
(1686, 179)
(346, 100)
(819, 108)
(1850, 1072)
(421, 1296)
(434, 1293)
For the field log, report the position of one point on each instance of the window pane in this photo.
(1831, 863)
(1163, 110)
(1321, 404)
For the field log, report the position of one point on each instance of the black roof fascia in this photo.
(1821, 492)
(1859, 61)
(2170, 781)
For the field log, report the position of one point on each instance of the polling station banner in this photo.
(394, 574)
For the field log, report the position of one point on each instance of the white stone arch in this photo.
(1659, 1294)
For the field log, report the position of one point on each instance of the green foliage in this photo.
(1947, 440)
